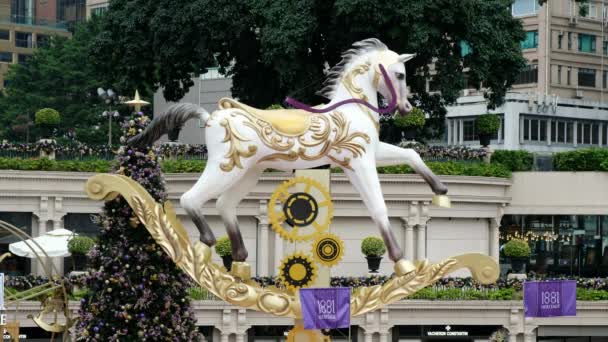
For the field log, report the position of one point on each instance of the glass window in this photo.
(569, 40)
(526, 129)
(524, 7)
(568, 73)
(570, 133)
(586, 133)
(43, 40)
(561, 133)
(559, 74)
(97, 11)
(23, 40)
(529, 74)
(586, 43)
(586, 77)
(5, 34)
(6, 57)
(604, 80)
(468, 128)
(22, 58)
(531, 40)
(560, 37)
(542, 130)
(534, 130)
(465, 48)
(579, 133)
(605, 47)
(595, 133)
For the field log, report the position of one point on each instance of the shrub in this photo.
(517, 248)
(514, 160)
(372, 246)
(47, 117)
(223, 247)
(487, 124)
(587, 159)
(80, 245)
(183, 166)
(415, 119)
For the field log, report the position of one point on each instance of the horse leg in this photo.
(212, 183)
(388, 155)
(364, 178)
(226, 206)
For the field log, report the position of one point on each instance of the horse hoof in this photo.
(241, 270)
(442, 201)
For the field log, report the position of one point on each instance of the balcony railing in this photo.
(33, 21)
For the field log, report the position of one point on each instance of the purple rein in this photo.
(391, 106)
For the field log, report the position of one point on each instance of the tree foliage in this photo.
(59, 76)
(274, 48)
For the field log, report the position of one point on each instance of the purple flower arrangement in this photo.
(136, 293)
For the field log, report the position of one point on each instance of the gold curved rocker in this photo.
(195, 260)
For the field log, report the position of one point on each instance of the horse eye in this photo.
(400, 76)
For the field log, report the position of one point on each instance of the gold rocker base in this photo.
(234, 288)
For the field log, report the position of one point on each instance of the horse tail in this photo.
(175, 117)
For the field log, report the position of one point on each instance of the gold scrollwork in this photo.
(235, 152)
(195, 260)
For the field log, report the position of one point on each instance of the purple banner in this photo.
(550, 298)
(325, 308)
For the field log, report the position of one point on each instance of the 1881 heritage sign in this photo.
(550, 298)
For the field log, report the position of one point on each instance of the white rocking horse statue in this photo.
(243, 141)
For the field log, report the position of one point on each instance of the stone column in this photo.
(263, 243)
(384, 337)
(224, 337)
(58, 261)
(494, 236)
(409, 241)
(240, 337)
(368, 337)
(41, 267)
(421, 242)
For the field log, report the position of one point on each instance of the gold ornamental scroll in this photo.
(195, 260)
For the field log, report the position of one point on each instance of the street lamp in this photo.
(109, 96)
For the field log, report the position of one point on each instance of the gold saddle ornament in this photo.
(288, 122)
(238, 289)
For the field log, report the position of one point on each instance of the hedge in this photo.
(197, 166)
(514, 160)
(587, 159)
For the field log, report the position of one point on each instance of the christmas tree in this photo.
(136, 293)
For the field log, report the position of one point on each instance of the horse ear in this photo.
(406, 57)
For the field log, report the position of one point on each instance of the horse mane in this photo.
(335, 73)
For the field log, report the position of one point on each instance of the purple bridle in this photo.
(391, 106)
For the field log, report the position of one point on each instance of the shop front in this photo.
(572, 245)
(436, 333)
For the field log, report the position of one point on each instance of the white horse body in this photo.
(242, 142)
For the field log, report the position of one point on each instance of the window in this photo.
(23, 40)
(592, 11)
(586, 77)
(524, 7)
(535, 129)
(604, 79)
(561, 131)
(6, 57)
(5, 34)
(97, 11)
(531, 40)
(42, 40)
(529, 74)
(588, 132)
(465, 48)
(568, 73)
(560, 37)
(468, 129)
(605, 48)
(22, 59)
(559, 74)
(605, 135)
(569, 40)
(586, 43)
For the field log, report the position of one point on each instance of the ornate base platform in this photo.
(195, 259)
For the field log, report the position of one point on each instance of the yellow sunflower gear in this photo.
(278, 218)
(296, 271)
(328, 249)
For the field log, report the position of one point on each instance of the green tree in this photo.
(284, 45)
(61, 77)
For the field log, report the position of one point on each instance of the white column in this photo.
(421, 242)
(40, 268)
(601, 136)
(224, 337)
(494, 235)
(530, 337)
(575, 133)
(384, 337)
(278, 252)
(449, 129)
(549, 132)
(460, 132)
(368, 337)
(263, 243)
(240, 337)
(57, 262)
(409, 242)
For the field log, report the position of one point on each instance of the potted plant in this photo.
(223, 248)
(518, 251)
(487, 127)
(79, 247)
(411, 123)
(373, 248)
(46, 119)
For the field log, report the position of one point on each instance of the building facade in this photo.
(562, 207)
(558, 101)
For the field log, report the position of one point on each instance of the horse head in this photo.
(394, 65)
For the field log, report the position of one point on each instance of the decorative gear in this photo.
(300, 209)
(328, 249)
(297, 270)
